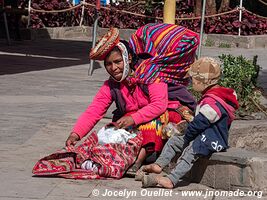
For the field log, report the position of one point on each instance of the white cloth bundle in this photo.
(112, 135)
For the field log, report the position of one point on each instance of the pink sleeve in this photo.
(94, 112)
(158, 97)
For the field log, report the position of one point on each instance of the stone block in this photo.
(234, 169)
(237, 41)
(260, 41)
(239, 176)
(258, 173)
(204, 172)
(222, 176)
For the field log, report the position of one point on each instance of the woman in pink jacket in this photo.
(138, 105)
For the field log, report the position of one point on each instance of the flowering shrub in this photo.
(224, 24)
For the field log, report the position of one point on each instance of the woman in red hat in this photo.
(139, 86)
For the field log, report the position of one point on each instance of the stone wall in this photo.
(218, 40)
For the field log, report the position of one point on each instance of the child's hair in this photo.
(207, 70)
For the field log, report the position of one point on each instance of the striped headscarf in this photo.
(171, 49)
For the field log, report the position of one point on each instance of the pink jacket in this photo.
(143, 108)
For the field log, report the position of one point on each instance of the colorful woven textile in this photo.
(171, 48)
(114, 159)
(152, 132)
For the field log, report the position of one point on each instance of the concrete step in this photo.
(234, 169)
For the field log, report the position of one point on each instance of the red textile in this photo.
(174, 117)
(114, 159)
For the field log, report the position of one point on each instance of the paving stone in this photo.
(73, 188)
(27, 188)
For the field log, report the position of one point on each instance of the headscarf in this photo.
(105, 45)
(170, 50)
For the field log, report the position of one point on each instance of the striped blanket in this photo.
(113, 159)
(171, 49)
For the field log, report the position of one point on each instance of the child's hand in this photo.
(125, 122)
(72, 139)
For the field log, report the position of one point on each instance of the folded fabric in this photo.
(111, 160)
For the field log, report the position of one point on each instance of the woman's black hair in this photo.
(130, 51)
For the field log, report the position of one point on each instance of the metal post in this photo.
(82, 15)
(90, 71)
(240, 16)
(29, 13)
(201, 28)
(6, 27)
(91, 67)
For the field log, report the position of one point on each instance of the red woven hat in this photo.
(105, 45)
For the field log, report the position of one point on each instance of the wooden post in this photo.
(82, 15)
(240, 16)
(169, 11)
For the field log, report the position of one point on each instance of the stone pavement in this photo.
(44, 88)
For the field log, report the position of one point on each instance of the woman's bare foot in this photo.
(152, 168)
(165, 182)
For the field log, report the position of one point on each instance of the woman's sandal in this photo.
(133, 170)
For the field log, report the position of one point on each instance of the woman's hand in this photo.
(125, 122)
(72, 139)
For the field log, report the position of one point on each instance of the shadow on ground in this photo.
(25, 56)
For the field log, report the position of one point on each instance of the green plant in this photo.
(241, 74)
(209, 43)
(224, 45)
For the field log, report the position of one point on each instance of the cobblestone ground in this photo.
(44, 88)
